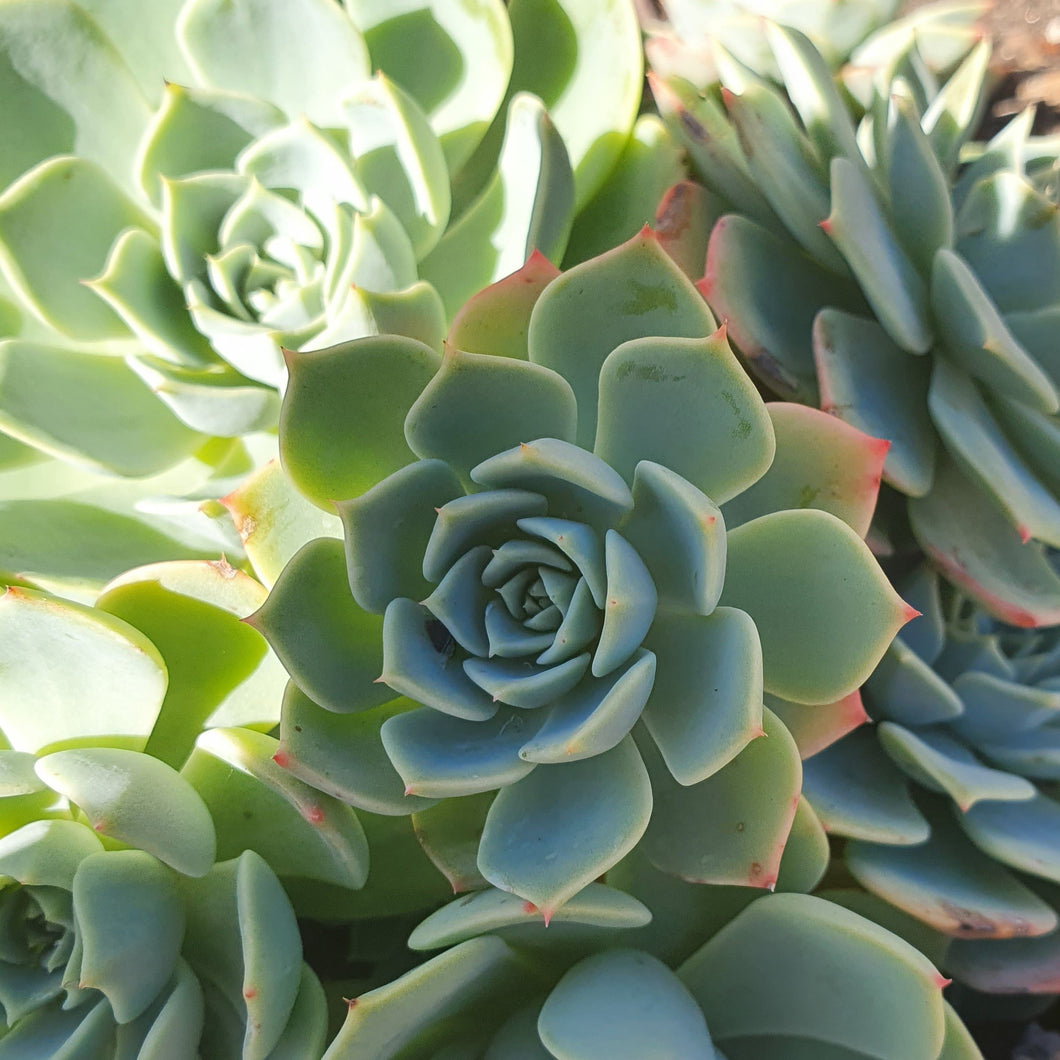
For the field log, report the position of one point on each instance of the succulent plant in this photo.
(188, 206)
(863, 268)
(541, 628)
(135, 918)
(948, 802)
(790, 976)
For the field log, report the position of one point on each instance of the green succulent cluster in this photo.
(136, 923)
(949, 801)
(858, 264)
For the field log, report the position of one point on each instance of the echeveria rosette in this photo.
(550, 604)
(949, 802)
(125, 922)
(860, 267)
(791, 975)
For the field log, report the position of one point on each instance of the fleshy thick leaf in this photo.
(823, 608)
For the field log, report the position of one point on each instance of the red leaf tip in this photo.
(826, 226)
(1024, 532)
(529, 908)
(282, 759)
(909, 613)
(314, 815)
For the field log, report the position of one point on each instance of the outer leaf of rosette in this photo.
(495, 321)
(24, 797)
(976, 547)
(527, 205)
(940, 763)
(903, 688)
(449, 834)
(974, 333)
(199, 129)
(982, 451)
(274, 520)
(635, 1007)
(951, 885)
(331, 647)
(820, 462)
(696, 413)
(920, 191)
(258, 805)
(342, 418)
(768, 292)
(793, 972)
(858, 791)
(813, 728)
(343, 754)
(40, 385)
(570, 53)
(138, 800)
(440, 757)
(217, 401)
(496, 912)
(242, 938)
(473, 984)
(683, 222)
(55, 654)
(453, 59)
(130, 924)
(1018, 835)
(577, 485)
(220, 670)
(785, 167)
(730, 828)
(823, 608)
(1008, 966)
(398, 157)
(57, 224)
(305, 57)
(558, 829)
(650, 163)
(387, 530)
(49, 113)
(1009, 234)
(477, 406)
(705, 705)
(869, 382)
(630, 292)
(891, 284)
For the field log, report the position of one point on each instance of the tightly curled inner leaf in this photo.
(531, 587)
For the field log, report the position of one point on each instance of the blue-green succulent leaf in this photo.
(521, 685)
(138, 800)
(617, 987)
(479, 519)
(578, 484)
(696, 413)
(388, 527)
(706, 703)
(556, 830)
(414, 666)
(131, 925)
(439, 756)
(629, 609)
(330, 646)
(595, 716)
(479, 405)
